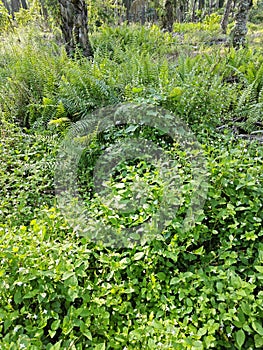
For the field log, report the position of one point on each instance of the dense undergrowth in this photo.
(199, 289)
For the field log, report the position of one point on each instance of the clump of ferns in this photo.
(249, 110)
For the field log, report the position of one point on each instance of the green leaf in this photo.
(240, 338)
(257, 327)
(67, 275)
(56, 346)
(131, 128)
(199, 251)
(174, 280)
(138, 255)
(87, 334)
(246, 308)
(151, 344)
(55, 324)
(162, 276)
(51, 333)
(119, 185)
(258, 341)
(18, 297)
(259, 268)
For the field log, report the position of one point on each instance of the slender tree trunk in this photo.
(225, 18)
(180, 9)
(193, 10)
(24, 4)
(15, 6)
(143, 15)
(127, 4)
(74, 25)
(239, 32)
(168, 17)
(201, 4)
(210, 7)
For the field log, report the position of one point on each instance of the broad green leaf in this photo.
(199, 251)
(138, 256)
(18, 297)
(246, 308)
(131, 128)
(162, 276)
(240, 338)
(87, 333)
(257, 327)
(67, 275)
(55, 324)
(258, 341)
(119, 185)
(174, 280)
(51, 333)
(259, 268)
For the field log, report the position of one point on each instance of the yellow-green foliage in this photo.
(5, 19)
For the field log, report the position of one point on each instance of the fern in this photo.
(250, 104)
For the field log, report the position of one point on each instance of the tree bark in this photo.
(239, 32)
(74, 26)
(168, 17)
(15, 6)
(24, 4)
(193, 10)
(201, 4)
(225, 18)
(127, 4)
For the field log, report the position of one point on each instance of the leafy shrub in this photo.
(26, 173)
(256, 13)
(200, 289)
(5, 19)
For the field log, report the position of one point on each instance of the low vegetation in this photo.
(200, 289)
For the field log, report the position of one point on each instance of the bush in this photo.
(200, 289)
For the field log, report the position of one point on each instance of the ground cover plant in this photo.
(200, 289)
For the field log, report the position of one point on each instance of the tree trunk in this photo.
(127, 4)
(193, 10)
(143, 15)
(168, 17)
(15, 6)
(210, 7)
(239, 32)
(224, 21)
(74, 26)
(201, 4)
(24, 4)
